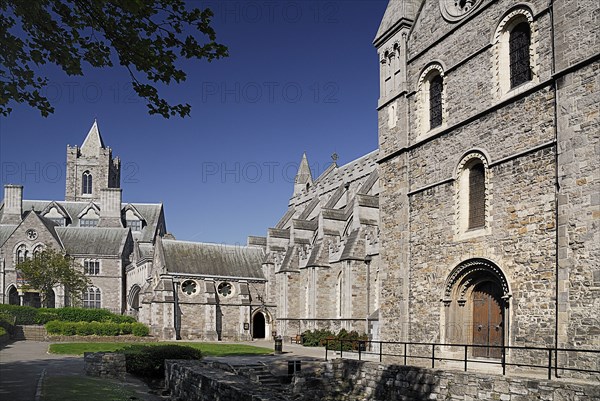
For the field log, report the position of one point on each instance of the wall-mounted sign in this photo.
(246, 326)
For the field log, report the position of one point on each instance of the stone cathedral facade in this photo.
(489, 163)
(477, 221)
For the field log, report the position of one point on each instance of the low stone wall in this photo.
(194, 380)
(350, 380)
(105, 364)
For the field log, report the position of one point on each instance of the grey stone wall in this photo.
(356, 381)
(105, 364)
(190, 380)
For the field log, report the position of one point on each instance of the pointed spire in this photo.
(303, 178)
(93, 141)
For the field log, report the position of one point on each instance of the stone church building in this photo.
(476, 221)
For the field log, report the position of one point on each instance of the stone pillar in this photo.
(110, 212)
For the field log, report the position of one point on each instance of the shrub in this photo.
(3, 331)
(84, 329)
(109, 329)
(319, 338)
(57, 327)
(139, 329)
(316, 338)
(148, 362)
(7, 322)
(125, 328)
(23, 314)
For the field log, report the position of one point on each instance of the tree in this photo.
(49, 269)
(146, 37)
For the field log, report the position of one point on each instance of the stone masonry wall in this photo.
(350, 380)
(192, 380)
(105, 364)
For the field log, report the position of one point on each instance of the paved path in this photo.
(22, 364)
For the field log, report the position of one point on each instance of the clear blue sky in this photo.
(302, 76)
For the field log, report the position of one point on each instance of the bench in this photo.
(296, 339)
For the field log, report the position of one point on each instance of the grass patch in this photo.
(207, 349)
(74, 388)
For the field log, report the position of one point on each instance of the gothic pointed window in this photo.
(476, 196)
(519, 43)
(22, 254)
(436, 86)
(86, 183)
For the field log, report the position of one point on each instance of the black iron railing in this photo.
(550, 355)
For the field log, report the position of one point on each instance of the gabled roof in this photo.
(93, 241)
(396, 11)
(61, 210)
(215, 260)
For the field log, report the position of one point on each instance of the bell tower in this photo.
(91, 168)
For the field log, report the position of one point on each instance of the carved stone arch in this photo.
(464, 275)
(501, 88)
(469, 160)
(431, 74)
(133, 297)
(475, 307)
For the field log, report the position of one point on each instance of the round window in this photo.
(225, 289)
(189, 287)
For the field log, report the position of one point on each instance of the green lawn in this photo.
(208, 349)
(73, 388)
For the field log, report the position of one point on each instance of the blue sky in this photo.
(302, 76)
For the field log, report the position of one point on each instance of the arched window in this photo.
(513, 54)
(519, 44)
(92, 298)
(21, 254)
(476, 195)
(37, 251)
(86, 183)
(436, 85)
(473, 189)
(430, 99)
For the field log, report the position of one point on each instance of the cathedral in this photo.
(477, 221)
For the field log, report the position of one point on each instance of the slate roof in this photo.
(5, 232)
(93, 241)
(213, 259)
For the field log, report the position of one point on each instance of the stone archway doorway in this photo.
(258, 325)
(13, 296)
(475, 304)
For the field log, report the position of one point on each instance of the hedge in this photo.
(61, 328)
(148, 362)
(318, 338)
(28, 315)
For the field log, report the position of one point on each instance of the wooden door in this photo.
(487, 320)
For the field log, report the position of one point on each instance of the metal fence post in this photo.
(432, 356)
(341, 349)
(404, 353)
(466, 356)
(359, 352)
(380, 351)
(549, 363)
(326, 348)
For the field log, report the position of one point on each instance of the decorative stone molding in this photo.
(501, 89)
(462, 197)
(463, 275)
(422, 101)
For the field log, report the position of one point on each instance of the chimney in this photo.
(13, 204)
(110, 208)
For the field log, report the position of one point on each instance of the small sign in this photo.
(246, 326)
